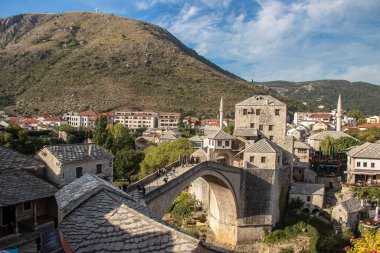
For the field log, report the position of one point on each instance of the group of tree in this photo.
(27, 142)
(119, 141)
(75, 135)
(371, 134)
(358, 116)
(329, 145)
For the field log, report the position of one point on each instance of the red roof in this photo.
(210, 122)
(89, 113)
(368, 125)
(320, 115)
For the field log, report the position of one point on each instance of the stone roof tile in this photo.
(261, 100)
(352, 205)
(263, 146)
(366, 150)
(10, 158)
(220, 135)
(245, 132)
(334, 134)
(307, 189)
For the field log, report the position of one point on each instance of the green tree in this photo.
(183, 206)
(164, 154)
(328, 145)
(343, 143)
(127, 163)
(229, 129)
(356, 114)
(100, 132)
(121, 138)
(371, 134)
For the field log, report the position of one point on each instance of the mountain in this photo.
(355, 95)
(73, 61)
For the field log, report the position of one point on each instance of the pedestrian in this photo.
(120, 187)
(173, 171)
(191, 160)
(166, 179)
(38, 244)
(158, 172)
(124, 187)
(143, 190)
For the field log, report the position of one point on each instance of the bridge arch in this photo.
(223, 183)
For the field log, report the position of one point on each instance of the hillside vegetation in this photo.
(72, 61)
(355, 95)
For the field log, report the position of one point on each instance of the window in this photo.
(278, 159)
(78, 172)
(261, 127)
(227, 143)
(257, 111)
(277, 112)
(308, 198)
(263, 159)
(27, 205)
(372, 165)
(99, 168)
(252, 125)
(271, 137)
(245, 111)
(252, 159)
(365, 164)
(219, 143)
(357, 164)
(302, 150)
(270, 127)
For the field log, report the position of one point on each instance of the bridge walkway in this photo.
(157, 182)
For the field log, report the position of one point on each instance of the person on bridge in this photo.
(173, 171)
(143, 190)
(166, 179)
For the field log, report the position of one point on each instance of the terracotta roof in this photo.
(10, 158)
(220, 135)
(368, 125)
(261, 100)
(89, 112)
(352, 205)
(245, 132)
(66, 153)
(18, 186)
(320, 115)
(104, 218)
(263, 146)
(307, 189)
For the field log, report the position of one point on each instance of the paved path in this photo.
(160, 181)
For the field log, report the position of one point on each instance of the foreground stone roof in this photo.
(263, 146)
(18, 186)
(261, 100)
(352, 205)
(10, 158)
(307, 189)
(366, 150)
(220, 135)
(105, 219)
(67, 153)
(300, 144)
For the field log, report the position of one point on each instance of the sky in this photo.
(260, 40)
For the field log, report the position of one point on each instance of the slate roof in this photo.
(220, 135)
(18, 186)
(352, 205)
(10, 158)
(261, 100)
(67, 153)
(263, 146)
(245, 132)
(307, 189)
(300, 144)
(197, 138)
(334, 134)
(366, 150)
(109, 220)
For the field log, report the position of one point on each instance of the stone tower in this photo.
(339, 115)
(221, 114)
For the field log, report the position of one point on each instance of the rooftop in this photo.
(245, 132)
(300, 144)
(66, 153)
(261, 100)
(366, 150)
(263, 146)
(334, 134)
(18, 186)
(307, 189)
(352, 205)
(10, 158)
(220, 135)
(109, 219)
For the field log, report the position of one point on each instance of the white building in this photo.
(136, 119)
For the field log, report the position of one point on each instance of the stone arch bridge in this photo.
(242, 202)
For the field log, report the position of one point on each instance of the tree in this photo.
(229, 129)
(328, 145)
(127, 163)
(100, 132)
(164, 154)
(371, 134)
(121, 138)
(183, 206)
(356, 114)
(343, 143)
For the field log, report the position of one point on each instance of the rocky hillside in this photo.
(355, 95)
(72, 61)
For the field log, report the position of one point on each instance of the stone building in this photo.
(312, 195)
(70, 161)
(264, 113)
(348, 212)
(219, 147)
(94, 214)
(363, 164)
(315, 140)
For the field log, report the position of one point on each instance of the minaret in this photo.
(339, 115)
(221, 114)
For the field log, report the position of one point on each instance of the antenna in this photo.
(96, 10)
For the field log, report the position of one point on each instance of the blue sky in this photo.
(263, 40)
